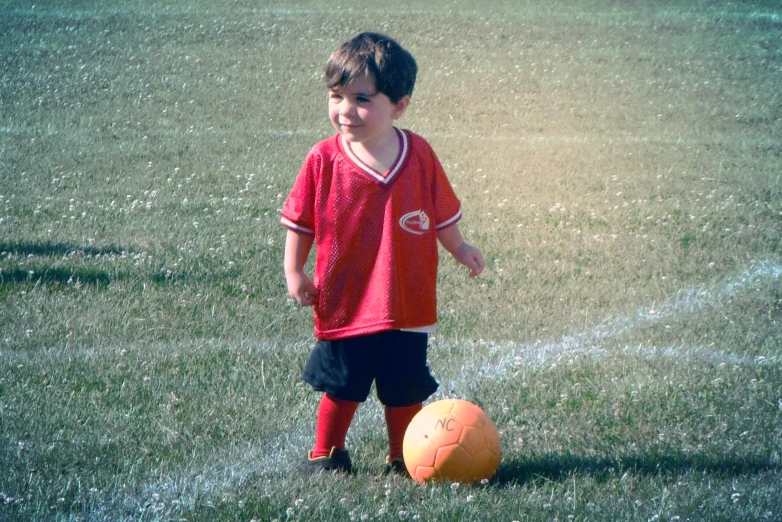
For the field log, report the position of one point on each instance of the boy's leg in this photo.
(397, 420)
(334, 418)
(339, 369)
(402, 386)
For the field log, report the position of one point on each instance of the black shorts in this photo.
(395, 360)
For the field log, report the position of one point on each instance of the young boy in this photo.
(374, 201)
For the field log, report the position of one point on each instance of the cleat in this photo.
(337, 461)
(396, 466)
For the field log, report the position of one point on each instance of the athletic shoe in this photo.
(396, 466)
(338, 460)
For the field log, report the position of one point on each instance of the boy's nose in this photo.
(346, 107)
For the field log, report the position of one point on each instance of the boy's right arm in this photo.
(300, 286)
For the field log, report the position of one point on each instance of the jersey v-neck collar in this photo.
(384, 178)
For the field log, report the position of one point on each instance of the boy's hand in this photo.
(301, 288)
(470, 257)
(463, 252)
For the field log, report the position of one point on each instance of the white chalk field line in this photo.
(749, 142)
(511, 356)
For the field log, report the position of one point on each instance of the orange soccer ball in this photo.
(452, 440)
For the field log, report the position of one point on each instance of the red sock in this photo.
(334, 417)
(397, 420)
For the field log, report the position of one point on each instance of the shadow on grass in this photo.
(559, 466)
(86, 276)
(41, 271)
(59, 249)
(57, 275)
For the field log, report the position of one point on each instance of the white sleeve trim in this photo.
(287, 223)
(449, 222)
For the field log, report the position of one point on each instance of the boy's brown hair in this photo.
(381, 58)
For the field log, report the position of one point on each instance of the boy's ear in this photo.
(400, 107)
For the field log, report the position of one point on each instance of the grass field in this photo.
(618, 163)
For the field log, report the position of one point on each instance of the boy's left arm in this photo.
(452, 240)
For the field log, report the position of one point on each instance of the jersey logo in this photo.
(416, 222)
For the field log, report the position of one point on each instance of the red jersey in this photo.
(375, 235)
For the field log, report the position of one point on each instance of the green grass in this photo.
(618, 165)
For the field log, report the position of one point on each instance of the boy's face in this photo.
(361, 114)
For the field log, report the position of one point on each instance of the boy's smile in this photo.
(363, 115)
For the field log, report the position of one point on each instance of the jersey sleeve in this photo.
(298, 212)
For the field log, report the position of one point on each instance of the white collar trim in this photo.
(395, 168)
